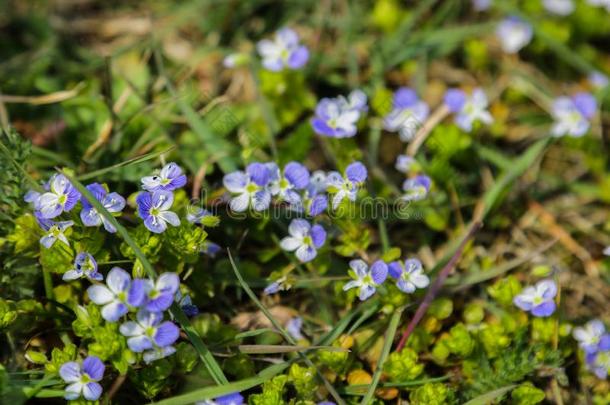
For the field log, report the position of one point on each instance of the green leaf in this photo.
(490, 396)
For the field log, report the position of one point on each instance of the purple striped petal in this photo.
(94, 367)
(166, 334)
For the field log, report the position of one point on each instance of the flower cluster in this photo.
(338, 117)
(255, 187)
(594, 341)
(122, 295)
(155, 202)
(409, 276)
(538, 299)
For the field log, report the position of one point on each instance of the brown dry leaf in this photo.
(257, 320)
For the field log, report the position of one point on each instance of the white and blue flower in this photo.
(250, 186)
(514, 33)
(337, 117)
(154, 209)
(169, 179)
(61, 196)
(160, 294)
(85, 266)
(53, 231)
(407, 115)
(113, 203)
(346, 187)
(286, 185)
(284, 51)
(409, 275)
(118, 295)
(304, 239)
(538, 299)
(149, 332)
(468, 109)
(83, 379)
(365, 279)
(573, 115)
(416, 188)
(590, 335)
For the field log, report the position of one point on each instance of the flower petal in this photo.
(306, 253)
(139, 343)
(299, 228)
(167, 333)
(70, 371)
(114, 311)
(94, 367)
(289, 243)
(92, 391)
(131, 328)
(100, 294)
(118, 280)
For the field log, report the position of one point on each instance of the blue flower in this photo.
(514, 34)
(539, 299)
(407, 115)
(293, 327)
(559, 7)
(572, 115)
(304, 239)
(84, 266)
(251, 187)
(365, 279)
(62, 196)
(210, 248)
(599, 362)
(83, 379)
(284, 51)
(160, 294)
(590, 336)
(416, 188)
(337, 117)
(170, 178)
(409, 275)
(53, 231)
(148, 332)
(230, 399)
(113, 203)
(468, 109)
(404, 163)
(118, 295)
(154, 210)
(285, 185)
(355, 175)
(316, 201)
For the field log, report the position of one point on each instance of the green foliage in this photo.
(432, 394)
(527, 394)
(403, 366)
(504, 290)
(272, 393)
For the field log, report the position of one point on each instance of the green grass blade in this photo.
(204, 353)
(279, 327)
(490, 396)
(138, 159)
(518, 167)
(387, 346)
(216, 391)
(218, 147)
